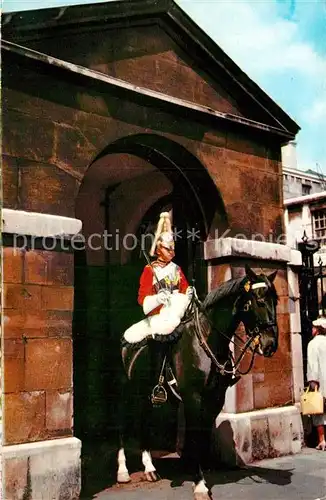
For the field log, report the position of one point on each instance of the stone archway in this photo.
(132, 180)
(179, 166)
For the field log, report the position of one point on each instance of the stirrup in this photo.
(159, 395)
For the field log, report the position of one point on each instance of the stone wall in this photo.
(40, 456)
(145, 56)
(44, 469)
(70, 146)
(38, 303)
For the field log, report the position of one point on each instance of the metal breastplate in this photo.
(169, 278)
(162, 284)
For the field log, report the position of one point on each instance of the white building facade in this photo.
(298, 183)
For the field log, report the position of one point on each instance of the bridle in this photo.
(193, 311)
(251, 344)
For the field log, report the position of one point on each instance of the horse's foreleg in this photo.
(211, 406)
(201, 492)
(193, 445)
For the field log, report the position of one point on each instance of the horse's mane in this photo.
(232, 287)
(226, 289)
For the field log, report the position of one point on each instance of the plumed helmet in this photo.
(320, 322)
(164, 234)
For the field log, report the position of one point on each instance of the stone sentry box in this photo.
(261, 416)
(181, 97)
(41, 458)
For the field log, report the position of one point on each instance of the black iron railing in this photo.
(308, 289)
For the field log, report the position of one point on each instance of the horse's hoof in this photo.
(152, 477)
(321, 446)
(123, 478)
(201, 492)
(202, 496)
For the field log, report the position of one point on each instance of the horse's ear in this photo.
(250, 273)
(272, 276)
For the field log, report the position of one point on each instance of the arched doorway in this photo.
(122, 194)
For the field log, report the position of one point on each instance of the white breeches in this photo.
(162, 323)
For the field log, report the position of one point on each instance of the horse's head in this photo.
(257, 309)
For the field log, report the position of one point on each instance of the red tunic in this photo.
(170, 277)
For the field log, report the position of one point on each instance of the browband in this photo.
(258, 285)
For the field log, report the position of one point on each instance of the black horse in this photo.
(203, 366)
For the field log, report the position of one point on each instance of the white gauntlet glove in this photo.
(163, 296)
(153, 301)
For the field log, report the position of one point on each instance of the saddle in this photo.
(166, 377)
(131, 352)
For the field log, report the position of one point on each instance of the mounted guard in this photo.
(201, 360)
(164, 292)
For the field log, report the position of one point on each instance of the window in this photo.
(306, 189)
(319, 220)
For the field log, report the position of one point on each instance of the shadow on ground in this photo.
(99, 472)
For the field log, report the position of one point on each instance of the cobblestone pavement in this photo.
(296, 477)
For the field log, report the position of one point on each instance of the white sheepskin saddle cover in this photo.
(162, 323)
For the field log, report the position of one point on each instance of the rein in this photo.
(251, 344)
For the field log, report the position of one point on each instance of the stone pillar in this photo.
(41, 458)
(260, 418)
(295, 325)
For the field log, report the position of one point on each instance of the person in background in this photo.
(316, 373)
